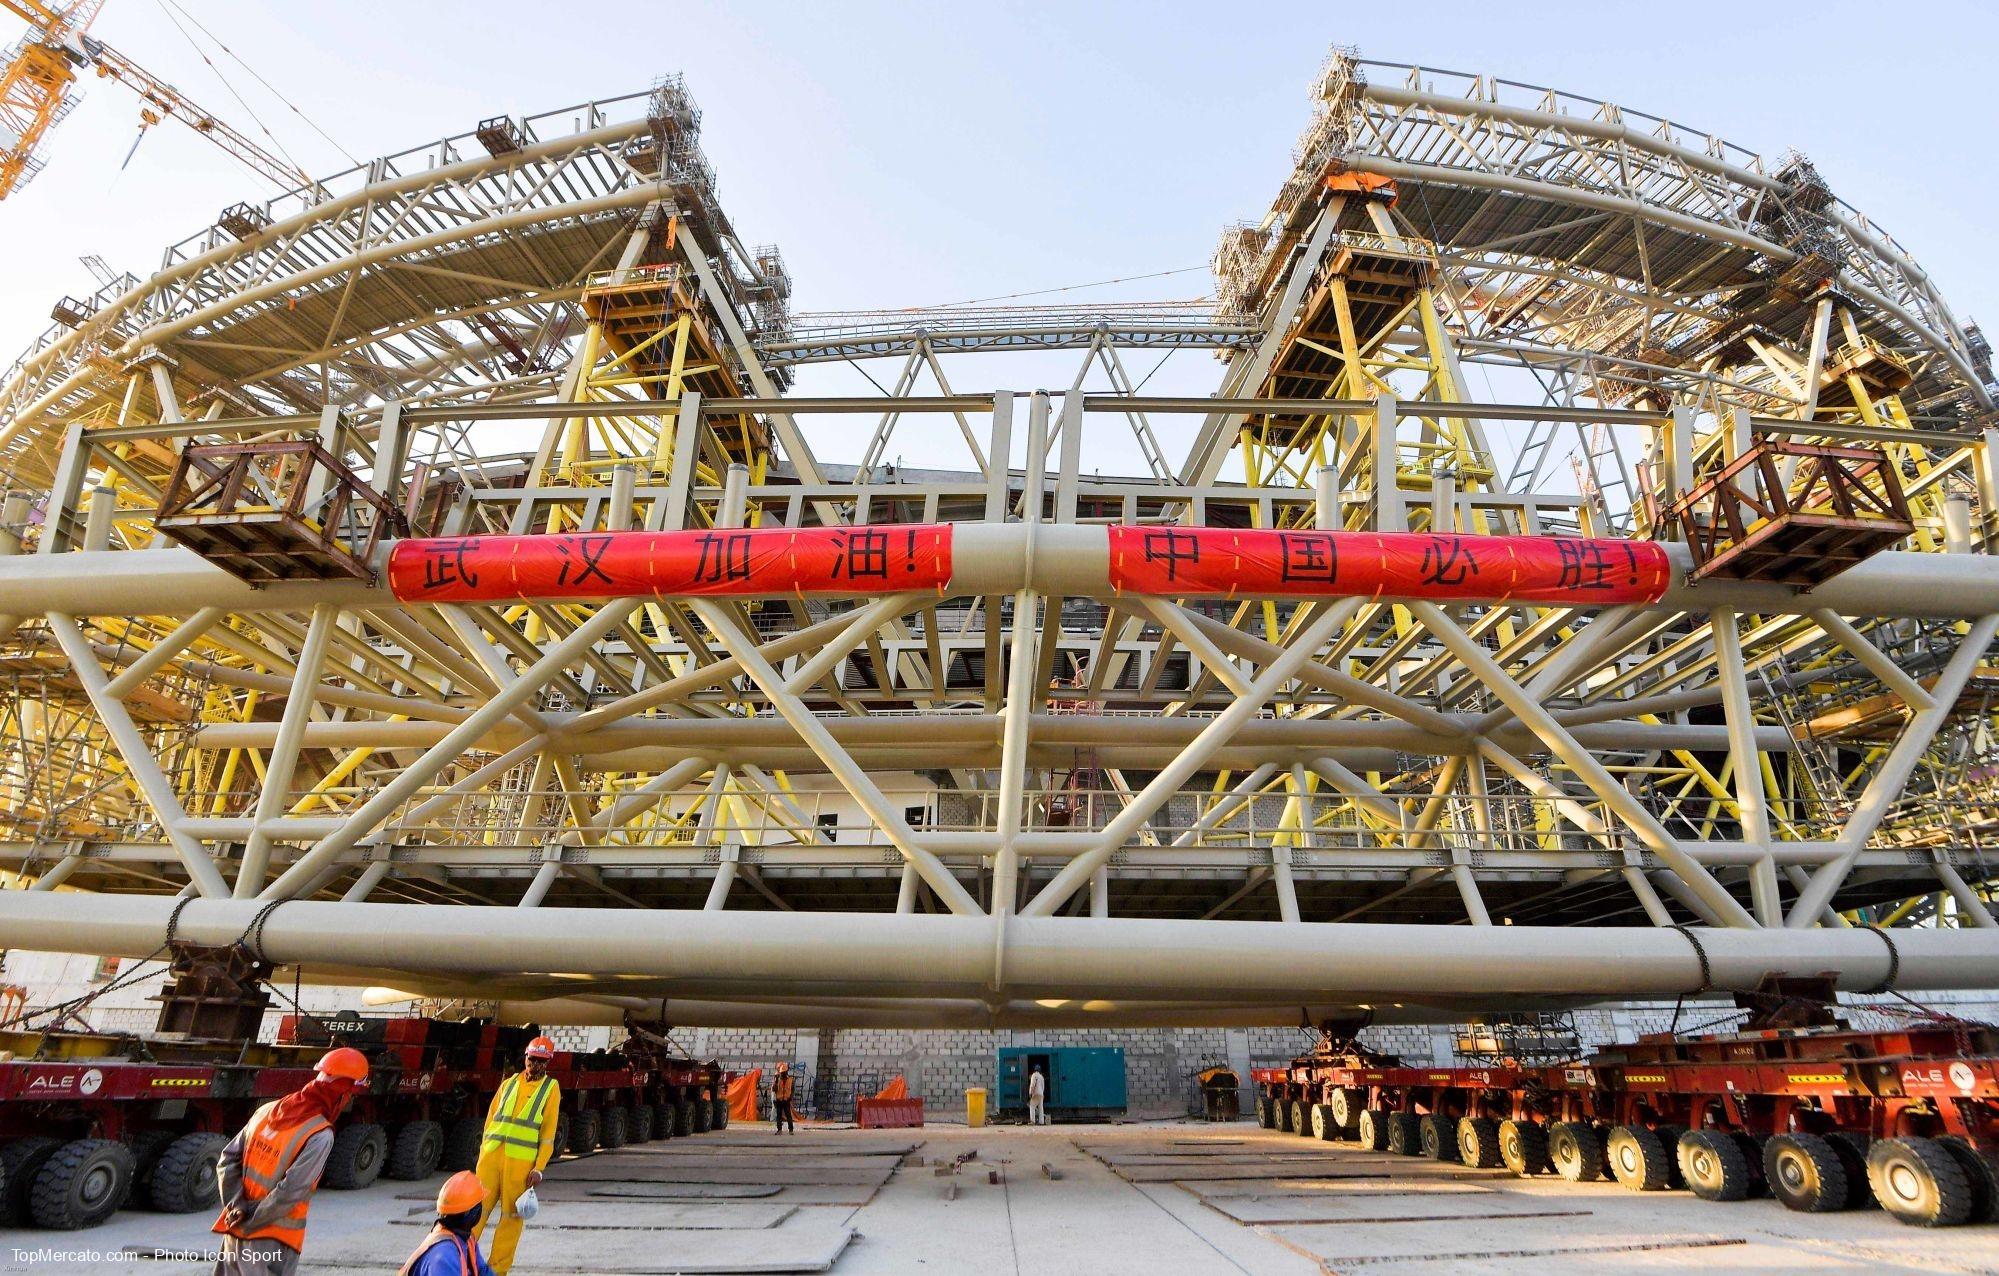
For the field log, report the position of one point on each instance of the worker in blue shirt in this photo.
(452, 1248)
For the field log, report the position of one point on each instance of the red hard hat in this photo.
(346, 1063)
(460, 1193)
(541, 1048)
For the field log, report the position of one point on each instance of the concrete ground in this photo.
(1157, 1197)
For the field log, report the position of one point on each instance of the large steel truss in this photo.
(1028, 797)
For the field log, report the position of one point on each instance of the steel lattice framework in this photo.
(1028, 796)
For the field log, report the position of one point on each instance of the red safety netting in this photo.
(721, 562)
(1181, 562)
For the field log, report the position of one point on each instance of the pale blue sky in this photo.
(907, 154)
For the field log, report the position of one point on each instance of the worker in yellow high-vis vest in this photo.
(520, 1139)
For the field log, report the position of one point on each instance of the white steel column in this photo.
(275, 797)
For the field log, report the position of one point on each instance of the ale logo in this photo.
(91, 1082)
(1962, 1077)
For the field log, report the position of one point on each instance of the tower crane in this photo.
(36, 92)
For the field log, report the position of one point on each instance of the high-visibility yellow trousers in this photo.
(504, 1178)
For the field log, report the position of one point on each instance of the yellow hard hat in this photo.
(460, 1193)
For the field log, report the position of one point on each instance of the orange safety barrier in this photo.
(742, 1095)
(888, 1114)
(1180, 562)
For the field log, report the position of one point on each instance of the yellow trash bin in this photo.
(975, 1106)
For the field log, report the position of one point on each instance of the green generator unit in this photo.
(1085, 1083)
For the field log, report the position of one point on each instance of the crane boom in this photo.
(171, 102)
(35, 94)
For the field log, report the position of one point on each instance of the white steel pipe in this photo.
(942, 955)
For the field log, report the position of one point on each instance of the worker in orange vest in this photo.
(268, 1172)
(452, 1248)
(520, 1139)
(781, 1090)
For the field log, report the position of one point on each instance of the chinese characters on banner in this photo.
(1220, 561)
(834, 560)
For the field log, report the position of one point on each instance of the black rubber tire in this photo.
(1478, 1143)
(683, 1118)
(1669, 1139)
(1300, 1123)
(662, 1121)
(1372, 1131)
(415, 1152)
(1713, 1166)
(1851, 1147)
(611, 1129)
(461, 1144)
(1576, 1151)
(720, 1119)
(1346, 1103)
(20, 1161)
(638, 1123)
(1978, 1170)
(1321, 1123)
(147, 1147)
(1438, 1136)
(1283, 1114)
(1752, 1152)
(183, 1178)
(80, 1186)
(1804, 1172)
(1637, 1158)
(1266, 1112)
(1405, 1134)
(583, 1131)
(561, 1138)
(704, 1115)
(360, 1153)
(1919, 1182)
(1523, 1148)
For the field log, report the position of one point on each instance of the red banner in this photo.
(1180, 562)
(721, 562)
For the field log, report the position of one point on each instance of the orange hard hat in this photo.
(541, 1048)
(460, 1193)
(345, 1062)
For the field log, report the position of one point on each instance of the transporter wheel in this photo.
(683, 1118)
(1374, 1128)
(1919, 1182)
(662, 1121)
(1322, 1122)
(1405, 1134)
(1478, 1143)
(704, 1114)
(360, 1151)
(20, 1161)
(611, 1128)
(1637, 1158)
(1347, 1104)
(147, 1147)
(415, 1151)
(720, 1119)
(1978, 1170)
(1752, 1152)
(1523, 1146)
(1576, 1151)
(1712, 1163)
(638, 1123)
(1438, 1136)
(462, 1139)
(1266, 1112)
(81, 1185)
(1281, 1108)
(183, 1179)
(1669, 1139)
(1301, 1119)
(584, 1129)
(1851, 1148)
(1804, 1173)
(563, 1126)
